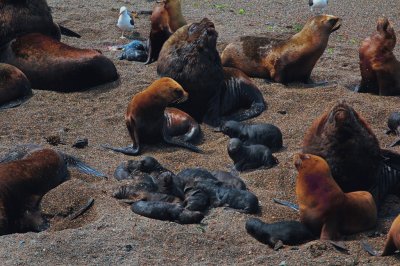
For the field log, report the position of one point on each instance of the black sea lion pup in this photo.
(324, 208)
(52, 65)
(196, 199)
(240, 200)
(285, 61)
(289, 232)
(145, 116)
(14, 86)
(264, 134)
(166, 211)
(394, 127)
(229, 180)
(185, 179)
(380, 70)
(250, 157)
(138, 195)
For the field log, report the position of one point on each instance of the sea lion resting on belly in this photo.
(14, 86)
(190, 57)
(26, 174)
(286, 61)
(324, 208)
(380, 70)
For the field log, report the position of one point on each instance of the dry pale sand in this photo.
(109, 233)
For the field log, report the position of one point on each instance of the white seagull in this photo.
(125, 22)
(318, 4)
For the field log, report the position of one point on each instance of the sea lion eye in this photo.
(192, 28)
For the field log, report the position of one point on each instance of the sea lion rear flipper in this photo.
(240, 93)
(287, 204)
(176, 140)
(67, 32)
(129, 150)
(81, 166)
(395, 143)
(368, 248)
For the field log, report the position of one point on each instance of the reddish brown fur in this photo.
(13, 83)
(324, 208)
(393, 238)
(179, 122)
(22, 185)
(380, 70)
(50, 64)
(145, 114)
(284, 61)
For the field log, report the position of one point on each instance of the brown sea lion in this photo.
(52, 65)
(345, 140)
(324, 208)
(191, 58)
(26, 174)
(14, 86)
(393, 238)
(146, 121)
(165, 19)
(291, 60)
(380, 70)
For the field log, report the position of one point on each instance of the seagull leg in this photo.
(122, 36)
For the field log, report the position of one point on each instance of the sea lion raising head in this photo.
(282, 61)
(324, 208)
(380, 70)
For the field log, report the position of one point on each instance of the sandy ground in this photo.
(109, 233)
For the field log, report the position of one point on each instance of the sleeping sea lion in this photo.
(145, 117)
(52, 65)
(28, 172)
(344, 139)
(324, 208)
(165, 19)
(191, 58)
(250, 157)
(393, 238)
(14, 86)
(291, 60)
(264, 134)
(380, 70)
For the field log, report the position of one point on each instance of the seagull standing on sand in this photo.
(125, 22)
(318, 4)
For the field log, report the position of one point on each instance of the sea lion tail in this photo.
(67, 32)
(81, 166)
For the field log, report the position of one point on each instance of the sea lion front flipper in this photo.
(81, 166)
(177, 141)
(395, 143)
(67, 32)
(368, 248)
(287, 204)
(129, 150)
(240, 93)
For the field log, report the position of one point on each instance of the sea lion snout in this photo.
(299, 158)
(335, 22)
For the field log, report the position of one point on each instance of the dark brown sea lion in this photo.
(165, 19)
(145, 116)
(52, 65)
(26, 174)
(286, 61)
(393, 238)
(250, 157)
(380, 70)
(14, 86)
(289, 232)
(345, 140)
(191, 58)
(324, 208)
(394, 127)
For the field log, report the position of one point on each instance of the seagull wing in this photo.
(310, 2)
(132, 22)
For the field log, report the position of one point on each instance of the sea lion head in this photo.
(148, 164)
(202, 34)
(234, 145)
(323, 23)
(169, 90)
(311, 165)
(386, 35)
(231, 128)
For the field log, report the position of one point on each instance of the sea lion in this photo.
(52, 65)
(28, 172)
(229, 180)
(196, 200)
(165, 19)
(134, 196)
(289, 232)
(145, 117)
(345, 140)
(191, 58)
(264, 134)
(380, 70)
(250, 157)
(14, 86)
(186, 178)
(166, 211)
(324, 208)
(286, 61)
(393, 238)
(394, 127)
